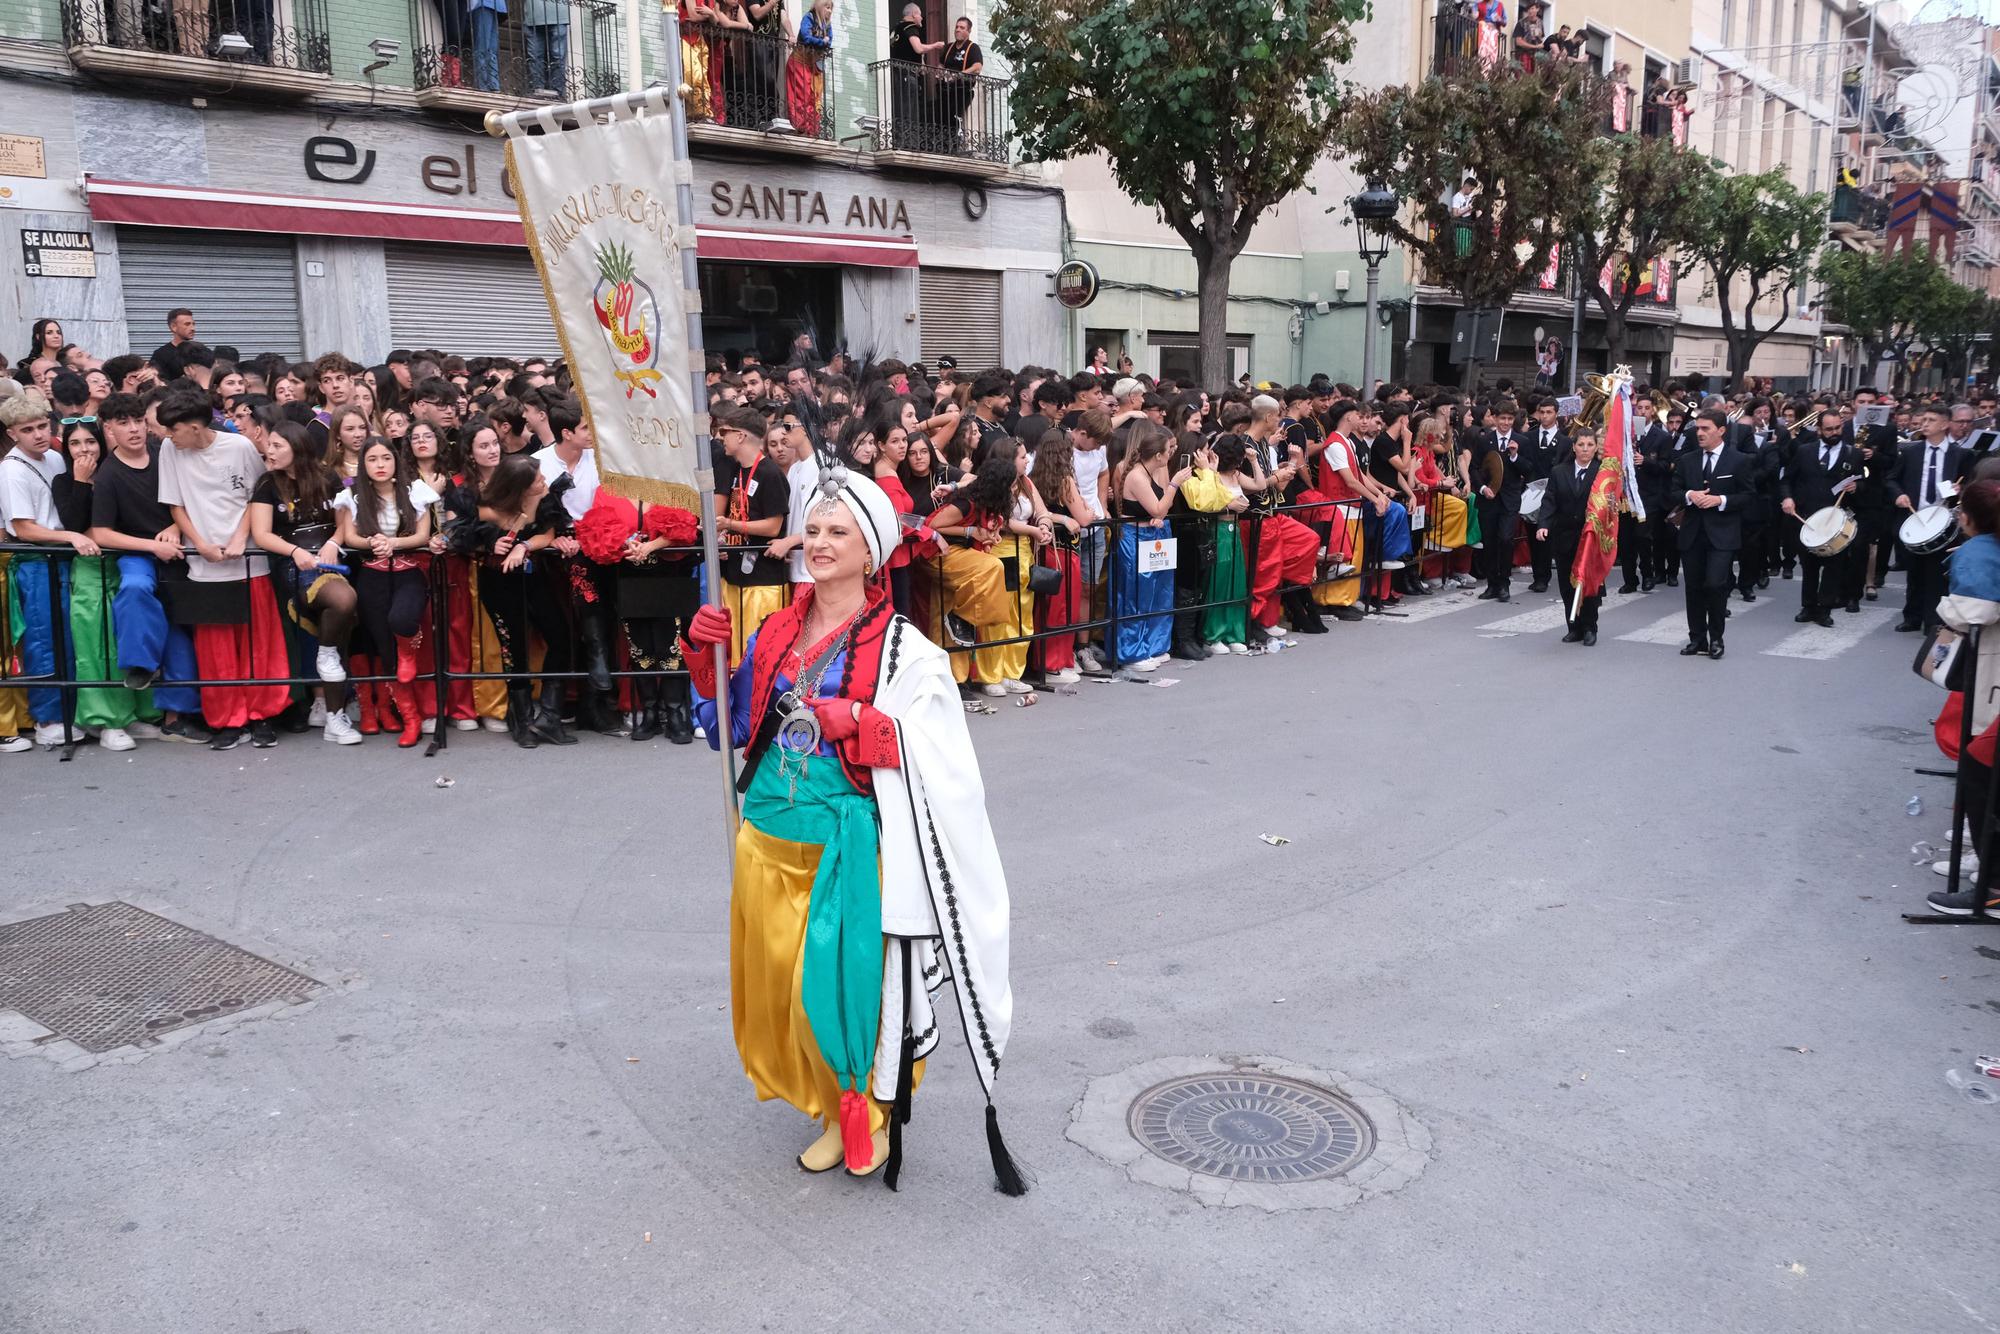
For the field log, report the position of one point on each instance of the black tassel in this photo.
(1006, 1173)
(899, 1110)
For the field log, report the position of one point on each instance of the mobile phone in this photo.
(1187, 461)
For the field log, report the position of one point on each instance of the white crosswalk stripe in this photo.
(1542, 619)
(1674, 629)
(1425, 609)
(1817, 643)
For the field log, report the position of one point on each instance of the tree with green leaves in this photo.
(1759, 242)
(1211, 111)
(1529, 142)
(1887, 300)
(1653, 203)
(1957, 315)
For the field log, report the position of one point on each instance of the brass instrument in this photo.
(1597, 391)
(1805, 424)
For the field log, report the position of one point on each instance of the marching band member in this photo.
(1562, 529)
(1924, 469)
(1821, 472)
(1714, 483)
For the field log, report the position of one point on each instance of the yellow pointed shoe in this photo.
(825, 1153)
(881, 1146)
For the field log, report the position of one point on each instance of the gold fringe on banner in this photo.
(652, 492)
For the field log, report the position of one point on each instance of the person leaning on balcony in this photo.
(483, 18)
(1530, 39)
(545, 34)
(696, 17)
(964, 59)
(805, 73)
(911, 108)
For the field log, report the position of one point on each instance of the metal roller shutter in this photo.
(960, 309)
(468, 300)
(242, 287)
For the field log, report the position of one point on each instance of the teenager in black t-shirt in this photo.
(754, 499)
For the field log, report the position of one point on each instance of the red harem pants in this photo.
(241, 652)
(458, 605)
(1069, 605)
(1287, 553)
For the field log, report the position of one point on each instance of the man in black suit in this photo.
(1653, 462)
(1924, 468)
(1500, 470)
(1817, 475)
(1713, 483)
(1547, 447)
(1660, 500)
(1562, 528)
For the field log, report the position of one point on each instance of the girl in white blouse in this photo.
(387, 515)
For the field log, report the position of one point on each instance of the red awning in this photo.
(144, 204)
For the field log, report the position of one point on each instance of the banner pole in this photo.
(704, 472)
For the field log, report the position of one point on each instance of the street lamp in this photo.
(1371, 208)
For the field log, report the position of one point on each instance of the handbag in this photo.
(1938, 660)
(1044, 581)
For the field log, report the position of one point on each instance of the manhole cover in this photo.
(1251, 1127)
(107, 974)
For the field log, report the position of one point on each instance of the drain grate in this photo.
(107, 974)
(1251, 1127)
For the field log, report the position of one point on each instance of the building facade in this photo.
(321, 181)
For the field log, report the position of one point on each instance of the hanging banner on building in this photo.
(597, 202)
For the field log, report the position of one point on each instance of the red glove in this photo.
(709, 627)
(869, 741)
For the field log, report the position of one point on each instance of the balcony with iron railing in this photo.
(539, 51)
(940, 119)
(257, 47)
(1856, 210)
(1554, 281)
(760, 88)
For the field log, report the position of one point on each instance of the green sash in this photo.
(842, 977)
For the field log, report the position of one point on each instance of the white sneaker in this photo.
(429, 727)
(50, 735)
(340, 730)
(1146, 665)
(1239, 648)
(1014, 687)
(994, 691)
(141, 730)
(1218, 650)
(316, 715)
(1392, 565)
(327, 663)
(116, 738)
(700, 733)
(494, 724)
(1968, 864)
(469, 725)
(1068, 676)
(1341, 571)
(14, 745)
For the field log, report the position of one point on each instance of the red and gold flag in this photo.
(1598, 551)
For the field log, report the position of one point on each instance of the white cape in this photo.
(943, 889)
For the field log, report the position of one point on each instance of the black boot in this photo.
(1304, 616)
(547, 724)
(598, 711)
(596, 661)
(646, 720)
(520, 715)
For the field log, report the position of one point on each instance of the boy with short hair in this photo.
(206, 479)
(40, 590)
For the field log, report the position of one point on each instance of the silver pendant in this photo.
(799, 732)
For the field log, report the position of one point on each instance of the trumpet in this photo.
(1805, 424)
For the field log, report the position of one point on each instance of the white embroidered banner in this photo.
(598, 204)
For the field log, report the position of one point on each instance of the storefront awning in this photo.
(145, 204)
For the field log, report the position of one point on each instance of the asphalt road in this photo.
(1618, 928)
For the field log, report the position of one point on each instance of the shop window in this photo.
(1176, 356)
(763, 308)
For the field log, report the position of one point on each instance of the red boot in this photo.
(364, 692)
(406, 661)
(406, 704)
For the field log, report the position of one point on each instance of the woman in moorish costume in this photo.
(856, 757)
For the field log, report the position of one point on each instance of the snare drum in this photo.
(1531, 499)
(1827, 532)
(1930, 530)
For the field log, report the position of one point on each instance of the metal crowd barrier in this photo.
(1193, 531)
(1983, 820)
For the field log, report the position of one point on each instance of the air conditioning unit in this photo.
(1687, 72)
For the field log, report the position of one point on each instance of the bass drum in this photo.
(1932, 529)
(1827, 532)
